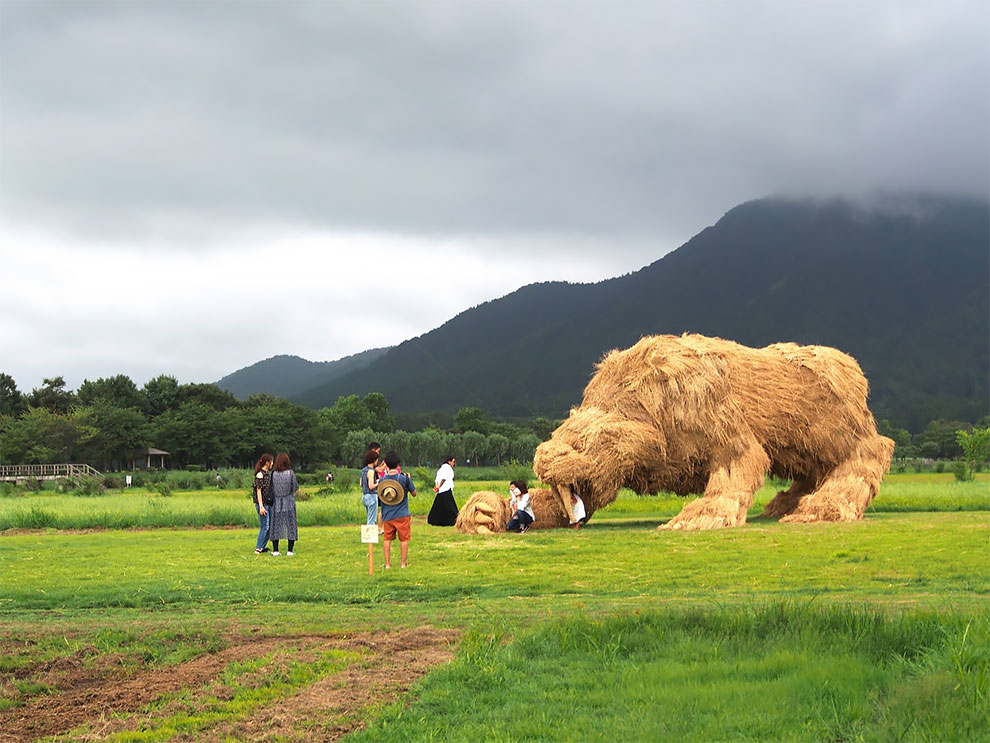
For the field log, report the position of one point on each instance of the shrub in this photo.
(303, 495)
(88, 486)
(7, 489)
(962, 472)
(147, 477)
(163, 489)
(113, 482)
(940, 466)
(184, 482)
(514, 470)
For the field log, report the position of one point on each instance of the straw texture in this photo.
(486, 512)
(693, 414)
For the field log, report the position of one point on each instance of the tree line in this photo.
(106, 422)
(938, 440)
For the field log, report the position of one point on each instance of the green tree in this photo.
(120, 431)
(280, 425)
(53, 397)
(239, 443)
(524, 447)
(43, 437)
(12, 402)
(397, 441)
(976, 448)
(377, 407)
(543, 427)
(206, 394)
(431, 446)
(119, 391)
(903, 448)
(355, 444)
(193, 434)
(497, 446)
(938, 440)
(453, 444)
(471, 419)
(474, 446)
(160, 394)
(350, 414)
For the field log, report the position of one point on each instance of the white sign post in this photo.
(369, 536)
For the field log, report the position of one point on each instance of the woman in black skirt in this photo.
(444, 511)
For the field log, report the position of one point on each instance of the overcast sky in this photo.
(190, 187)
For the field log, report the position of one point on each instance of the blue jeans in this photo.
(370, 502)
(519, 520)
(263, 522)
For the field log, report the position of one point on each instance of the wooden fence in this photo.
(15, 472)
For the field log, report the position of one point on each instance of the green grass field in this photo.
(138, 509)
(876, 630)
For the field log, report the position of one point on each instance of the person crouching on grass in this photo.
(395, 517)
(522, 511)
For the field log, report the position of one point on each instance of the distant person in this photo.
(219, 480)
(261, 494)
(395, 516)
(522, 511)
(369, 487)
(329, 477)
(283, 523)
(444, 509)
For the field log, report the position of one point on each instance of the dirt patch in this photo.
(99, 697)
(330, 709)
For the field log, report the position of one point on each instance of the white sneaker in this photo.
(290, 554)
(276, 554)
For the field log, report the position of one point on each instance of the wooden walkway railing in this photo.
(14, 472)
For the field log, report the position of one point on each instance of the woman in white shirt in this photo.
(444, 510)
(522, 511)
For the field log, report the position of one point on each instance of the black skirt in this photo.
(444, 511)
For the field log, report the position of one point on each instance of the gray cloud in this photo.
(619, 119)
(157, 158)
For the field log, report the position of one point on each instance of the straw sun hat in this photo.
(390, 492)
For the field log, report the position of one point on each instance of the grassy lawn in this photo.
(876, 630)
(137, 508)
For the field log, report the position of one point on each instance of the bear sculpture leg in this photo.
(848, 490)
(729, 492)
(787, 501)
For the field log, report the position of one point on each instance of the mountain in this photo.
(284, 376)
(903, 286)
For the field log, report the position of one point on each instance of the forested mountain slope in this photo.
(284, 376)
(904, 288)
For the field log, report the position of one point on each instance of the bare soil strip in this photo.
(331, 708)
(100, 695)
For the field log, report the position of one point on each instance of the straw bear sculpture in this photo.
(692, 414)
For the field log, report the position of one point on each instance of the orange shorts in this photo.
(398, 526)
